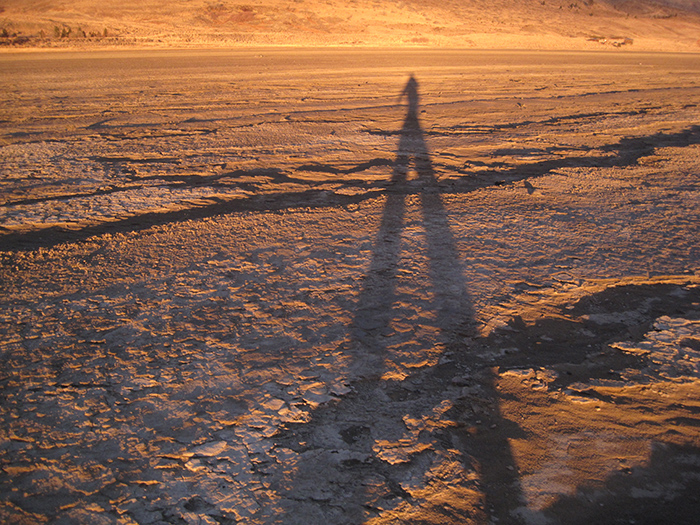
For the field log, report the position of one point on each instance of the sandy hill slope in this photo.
(667, 25)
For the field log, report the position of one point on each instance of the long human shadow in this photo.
(452, 305)
(374, 312)
(359, 417)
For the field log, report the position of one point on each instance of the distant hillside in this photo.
(664, 25)
(653, 7)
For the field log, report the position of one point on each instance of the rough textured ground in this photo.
(264, 287)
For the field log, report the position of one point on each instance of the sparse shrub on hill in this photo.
(62, 32)
(10, 37)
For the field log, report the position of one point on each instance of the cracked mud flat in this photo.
(248, 287)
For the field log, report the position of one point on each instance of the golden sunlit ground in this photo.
(383, 286)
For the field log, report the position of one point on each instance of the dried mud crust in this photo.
(543, 420)
(257, 137)
(457, 420)
(351, 314)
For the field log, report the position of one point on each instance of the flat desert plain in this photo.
(349, 286)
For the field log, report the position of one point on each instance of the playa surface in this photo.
(296, 286)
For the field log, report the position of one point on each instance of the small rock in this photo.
(460, 381)
(210, 449)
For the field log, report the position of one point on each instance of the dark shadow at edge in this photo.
(627, 498)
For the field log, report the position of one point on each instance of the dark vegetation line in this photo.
(476, 129)
(69, 196)
(326, 168)
(626, 152)
(274, 175)
(49, 237)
